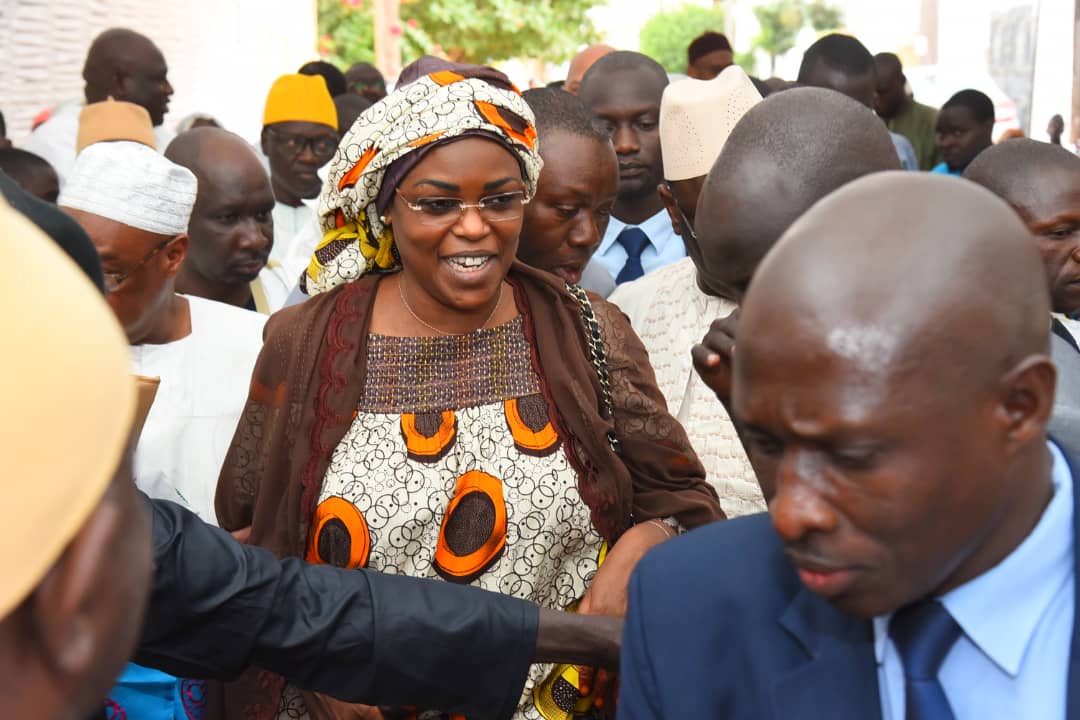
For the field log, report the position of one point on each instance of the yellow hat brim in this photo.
(69, 401)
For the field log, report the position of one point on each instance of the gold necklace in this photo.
(401, 292)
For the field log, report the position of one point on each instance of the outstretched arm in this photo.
(218, 607)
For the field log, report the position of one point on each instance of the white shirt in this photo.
(1012, 660)
(664, 248)
(271, 289)
(671, 314)
(296, 232)
(55, 139)
(204, 385)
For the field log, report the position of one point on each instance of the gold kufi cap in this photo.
(69, 402)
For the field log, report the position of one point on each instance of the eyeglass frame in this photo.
(119, 279)
(682, 214)
(463, 206)
(305, 142)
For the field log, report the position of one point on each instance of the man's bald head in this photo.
(842, 63)
(916, 458)
(622, 64)
(203, 148)
(1019, 171)
(1042, 184)
(943, 268)
(785, 154)
(231, 227)
(581, 64)
(125, 65)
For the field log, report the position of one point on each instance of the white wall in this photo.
(1053, 67)
(222, 54)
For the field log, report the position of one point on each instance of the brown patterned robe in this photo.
(311, 376)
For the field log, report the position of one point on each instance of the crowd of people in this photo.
(427, 403)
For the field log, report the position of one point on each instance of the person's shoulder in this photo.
(225, 319)
(678, 273)
(284, 323)
(637, 296)
(728, 563)
(64, 120)
(922, 110)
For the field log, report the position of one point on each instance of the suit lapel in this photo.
(839, 679)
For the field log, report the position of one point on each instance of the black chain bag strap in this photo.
(598, 356)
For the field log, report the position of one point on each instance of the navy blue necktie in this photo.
(924, 633)
(634, 241)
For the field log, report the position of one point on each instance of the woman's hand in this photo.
(607, 593)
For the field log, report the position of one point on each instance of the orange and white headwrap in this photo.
(438, 106)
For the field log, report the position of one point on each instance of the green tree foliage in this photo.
(823, 17)
(479, 31)
(781, 21)
(667, 34)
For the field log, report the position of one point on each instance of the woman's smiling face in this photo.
(454, 261)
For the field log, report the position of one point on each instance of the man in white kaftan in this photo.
(667, 307)
(135, 205)
(122, 65)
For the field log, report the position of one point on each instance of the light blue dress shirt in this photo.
(905, 151)
(664, 248)
(1013, 659)
(943, 169)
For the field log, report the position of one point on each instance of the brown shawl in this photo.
(310, 375)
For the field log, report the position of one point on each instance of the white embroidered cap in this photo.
(131, 184)
(696, 118)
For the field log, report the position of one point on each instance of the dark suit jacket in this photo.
(218, 607)
(721, 627)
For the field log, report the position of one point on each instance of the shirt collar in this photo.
(995, 617)
(657, 227)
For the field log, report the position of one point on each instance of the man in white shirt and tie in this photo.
(623, 89)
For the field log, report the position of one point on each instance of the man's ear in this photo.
(263, 141)
(118, 85)
(1026, 400)
(672, 208)
(63, 603)
(174, 253)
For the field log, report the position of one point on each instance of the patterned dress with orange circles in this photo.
(452, 469)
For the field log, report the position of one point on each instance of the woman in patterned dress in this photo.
(438, 409)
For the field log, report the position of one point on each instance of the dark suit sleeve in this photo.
(218, 607)
(638, 698)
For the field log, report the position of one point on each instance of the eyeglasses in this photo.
(442, 212)
(322, 147)
(682, 216)
(113, 281)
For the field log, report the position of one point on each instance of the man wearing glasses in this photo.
(671, 308)
(135, 205)
(299, 136)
